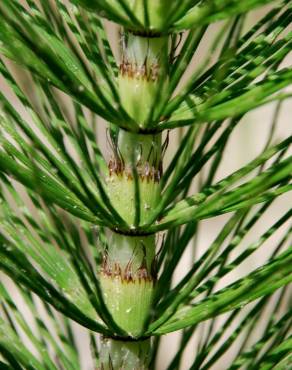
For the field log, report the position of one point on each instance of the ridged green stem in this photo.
(134, 175)
(143, 75)
(128, 273)
(117, 354)
(127, 279)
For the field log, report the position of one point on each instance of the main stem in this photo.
(128, 273)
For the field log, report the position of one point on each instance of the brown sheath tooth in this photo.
(145, 172)
(127, 274)
(140, 72)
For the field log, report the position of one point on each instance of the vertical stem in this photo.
(128, 273)
(127, 280)
(143, 74)
(117, 354)
(136, 157)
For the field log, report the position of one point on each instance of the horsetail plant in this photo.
(97, 237)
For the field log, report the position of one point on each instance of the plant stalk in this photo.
(128, 273)
(118, 354)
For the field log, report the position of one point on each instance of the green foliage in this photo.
(54, 204)
(264, 281)
(209, 11)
